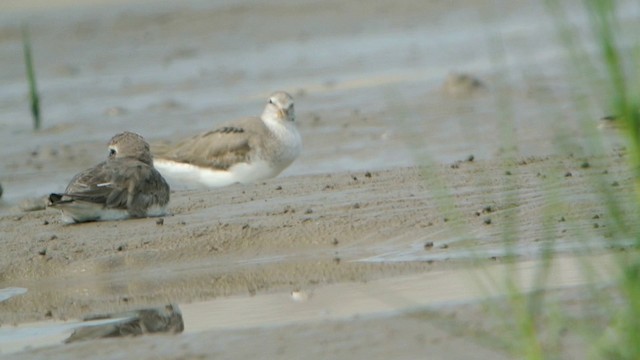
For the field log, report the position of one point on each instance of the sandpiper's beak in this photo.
(282, 113)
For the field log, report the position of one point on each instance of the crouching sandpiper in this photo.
(124, 186)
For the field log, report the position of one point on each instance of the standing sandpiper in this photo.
(241, 151)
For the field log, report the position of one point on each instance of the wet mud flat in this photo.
(287, 239)
(407, 178)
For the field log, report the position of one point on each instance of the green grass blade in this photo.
(34, 99)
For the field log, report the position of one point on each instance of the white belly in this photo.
(181, 174)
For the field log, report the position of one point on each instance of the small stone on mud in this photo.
(445, 219)
(160, 221)
(367, 174)
(508, 173)
(596, 216)
(279, 187)
(336, 260)
(121, 247)
(45, 222)
(299, 296)
(428, 245)
(309, 211)
(585, 165)
(444, 246)
(470, 158)
(568, 174)
(335, 242)
(561, 219)
(596, 225)
(356, 206)
(48, 314)
(615, 183)
(42, 252)
(487, 221)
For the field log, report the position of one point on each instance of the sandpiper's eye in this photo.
(112, 152)
(270, 101)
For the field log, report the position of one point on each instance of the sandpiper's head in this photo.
(280, 107)
(131, 145)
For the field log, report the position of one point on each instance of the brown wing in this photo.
(220, 148)
(88, 185)
(120, 184)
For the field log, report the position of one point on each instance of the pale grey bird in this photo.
(240, 151)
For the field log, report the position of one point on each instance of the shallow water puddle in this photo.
(417, 252)
(39, 334)
(8, 293)
(390, 295)
(341, 301)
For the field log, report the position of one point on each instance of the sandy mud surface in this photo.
(409, 176)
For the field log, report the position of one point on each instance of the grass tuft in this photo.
(34, 99)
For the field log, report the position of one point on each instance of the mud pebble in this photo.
(461, 85)
(48, 314)
(356, 206)
(367, 174)
(568, 174)
(121, 247)
(615, 183)
(46, 222)
(160, 221)
(596, 225)
(336, 260)
(245, 226)
(561, 219)
(299, 296)
(428, 245)
(445, 219)
(444, 246)
(42, 252)
(470, 158)
(487, 221)
(355, 178)
(335, 242)
(308, 211)
(279, 187)
(585, 165)
(596, 216)
(508, 173)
